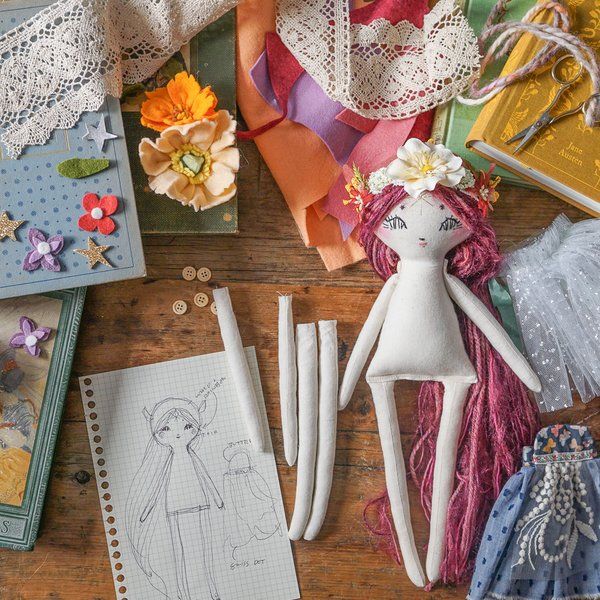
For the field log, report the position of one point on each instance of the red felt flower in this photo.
(98, 213)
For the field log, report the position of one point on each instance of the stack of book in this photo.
(564, 158)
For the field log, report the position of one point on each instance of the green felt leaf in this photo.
(77, 168)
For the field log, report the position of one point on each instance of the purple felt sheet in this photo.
(309, 106)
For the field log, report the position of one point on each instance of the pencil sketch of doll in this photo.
(170, 498)
(250, 500)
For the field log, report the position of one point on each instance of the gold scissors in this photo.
(546, 118)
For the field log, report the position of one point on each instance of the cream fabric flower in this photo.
(421, 166)
(194, 163)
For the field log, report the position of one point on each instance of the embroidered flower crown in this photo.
(422, 166)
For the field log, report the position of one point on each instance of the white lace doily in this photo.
(64, 60)
(380, 70)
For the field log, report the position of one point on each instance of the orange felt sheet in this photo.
(299, 161)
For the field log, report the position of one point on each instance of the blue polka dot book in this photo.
(42, 245)
(541, 540)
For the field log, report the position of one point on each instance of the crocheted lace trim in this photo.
(380, 70)
(68, 57)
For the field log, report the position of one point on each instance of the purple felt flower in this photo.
(29, 336)
(44, 251)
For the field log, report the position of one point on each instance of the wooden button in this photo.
(189, 273)
(180, 307)
(204, 274)
(201, 299)
(213, 308)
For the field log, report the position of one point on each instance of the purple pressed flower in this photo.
(29, 336)
(44, 251)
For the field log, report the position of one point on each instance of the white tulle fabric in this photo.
(380, 70)
(64, 60)
(555, 285)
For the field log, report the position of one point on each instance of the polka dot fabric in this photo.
(31, 190)
(541, 541)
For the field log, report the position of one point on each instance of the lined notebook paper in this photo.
(190, 510)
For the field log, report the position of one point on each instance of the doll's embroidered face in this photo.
(421, 228)
(177, 430)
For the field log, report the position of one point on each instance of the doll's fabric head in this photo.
(425, 205)
(422, 228)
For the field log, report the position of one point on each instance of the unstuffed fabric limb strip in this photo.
(238, 365)
(288, 379)
(328, 390)
(308, 383)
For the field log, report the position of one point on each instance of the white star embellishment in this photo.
(99, 135)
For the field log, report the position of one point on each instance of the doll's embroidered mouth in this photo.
(422, 243)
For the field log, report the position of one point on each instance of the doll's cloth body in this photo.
(541, 540)
(420, 338)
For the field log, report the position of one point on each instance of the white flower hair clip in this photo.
(422, 166)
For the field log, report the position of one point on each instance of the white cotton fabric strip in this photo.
(308, 385)
(288, 379)
(328, 390)
(238, 366)
(64, 61)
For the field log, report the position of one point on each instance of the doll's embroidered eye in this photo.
(450, 223)
(165, 428)
(394, 222)
(187, 426)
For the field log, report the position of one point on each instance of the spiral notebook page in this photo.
(190, 510)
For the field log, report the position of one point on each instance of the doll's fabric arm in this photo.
(476, 310)
(366, 339)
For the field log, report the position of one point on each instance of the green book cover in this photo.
(454, 120)
(32, 396)
(211, 57)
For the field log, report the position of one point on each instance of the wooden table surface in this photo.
(131, 323)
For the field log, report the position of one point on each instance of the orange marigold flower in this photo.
(182, 101)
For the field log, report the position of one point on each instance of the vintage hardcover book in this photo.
(211, 57)
(32, 395)
(563, 159)
(454, 120)
(35, 194)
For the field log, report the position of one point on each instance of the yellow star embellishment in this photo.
(8, 227)
(94, 253)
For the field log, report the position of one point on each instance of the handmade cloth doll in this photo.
(541, 540)
(424, 231)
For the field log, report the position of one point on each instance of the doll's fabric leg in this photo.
(183, 591)
(395, 476)
(455, 395)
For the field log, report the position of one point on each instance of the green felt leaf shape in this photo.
(78, 168)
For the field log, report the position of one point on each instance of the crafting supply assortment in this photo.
(339, 98)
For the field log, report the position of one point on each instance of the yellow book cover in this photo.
(563, 158)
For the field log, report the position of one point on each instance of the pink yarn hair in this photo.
(499, 416)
